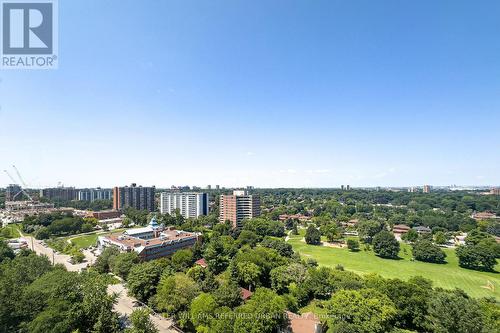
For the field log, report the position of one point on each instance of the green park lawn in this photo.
(85, 241)
(10, 231)
(448, 276)
(88, 240)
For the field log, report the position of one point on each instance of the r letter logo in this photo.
(29, 34)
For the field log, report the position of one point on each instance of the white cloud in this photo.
(319, 171)
(290, 171)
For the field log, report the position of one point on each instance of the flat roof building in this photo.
(151, 242)
(59, 193)
(93, 194)
(189, 204)
(13, 192)
(138, 197)
(238, 207)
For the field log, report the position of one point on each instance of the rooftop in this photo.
(305, 323)
(246, 294)
(166, 236)
(201, 262)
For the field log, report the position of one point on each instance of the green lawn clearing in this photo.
(88, 240)
(449, 275)
(84, 241)
(9, 231)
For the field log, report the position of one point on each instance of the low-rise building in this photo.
(13, 206)
(305, 323)
(151, 242)
(460, 239)
(422, 230)
(105, 214)
(245, 294)
(484, 216)
(350, 223)
(298, 217)
(400, 229)
(17, 244)
(201, 262)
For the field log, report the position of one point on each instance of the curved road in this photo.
(124, 303)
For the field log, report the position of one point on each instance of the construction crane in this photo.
(16, 183)
(19, 176)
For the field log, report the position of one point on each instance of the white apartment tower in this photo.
(190, 205)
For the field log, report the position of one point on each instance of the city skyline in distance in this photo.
(245, 186)
(271, 95)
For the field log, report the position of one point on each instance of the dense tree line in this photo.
(479, 252)
(210, 299)
(44, 226)
(38, 297)
(95, 205)
(448, 210)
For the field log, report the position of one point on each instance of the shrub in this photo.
(424, 250)
(353, 245)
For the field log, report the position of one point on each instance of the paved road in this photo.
(124, 304)
(40, 249)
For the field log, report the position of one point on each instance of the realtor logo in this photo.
(29, 34)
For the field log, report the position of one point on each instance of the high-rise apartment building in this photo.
(13, 192)
(59, 193)
(138, 197)
(427, 189)
(189, 204)
(238, 207)
(93, 194)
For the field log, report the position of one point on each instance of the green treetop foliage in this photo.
(385, 245)
(313, 235)
(263, 313)
(364, 310)
(175, 293)
(141, 323)
(425, 250)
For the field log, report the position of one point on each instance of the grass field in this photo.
(448, 275)
(10, 231)
(85, 241)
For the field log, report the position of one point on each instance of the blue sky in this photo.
(264, 93)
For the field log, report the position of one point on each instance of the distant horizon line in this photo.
(249, 187)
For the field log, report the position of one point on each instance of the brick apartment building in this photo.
(238, 206)
(138, 197)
